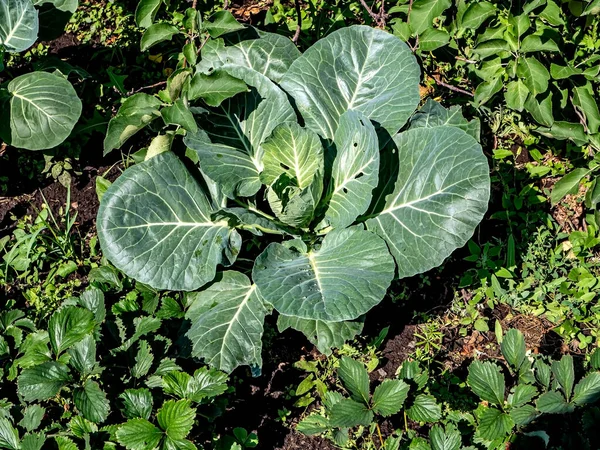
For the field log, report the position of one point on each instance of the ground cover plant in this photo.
(356, 224)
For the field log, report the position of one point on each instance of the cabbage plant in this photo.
(38, 110)
(305, 152)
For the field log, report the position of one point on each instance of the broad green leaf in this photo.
(588, 389)
(156, 33)
(230, 151)
(569, 184)
(93, 299)
(324, 335)
(69, 326)
(432, 39)
(65, 443)
(222, 22)
(565, 130)
(534, 75)
(313, 424)
(585, 99)
(491, 48)
(18, 25)
(523, 415)
(562, 72)
(513, 348)
(423, 12)
(358, 68)
(269, 54)
(522, 393)
(155, 225)
(540, 108)
(347, 276)
(542, 373)
(44, 108)
(43, 381)
(595, 359)
(536, 43)
(486, 90)
(432, 114)
(137, 403)
(145, 12)
(355, 378)
(487, 381)
(425, 409)
(476, 14)
(176, 418)
(554, 403)
(139, 434)
(552, 14)
(448, 439)
(349, 413)
(33, 441)
(227, 323)
(143, 326)
(295, 206)
(9, 436)
(92, 402)
(134, 114)
(206, 383)
(592, 8)
(520, 23)
(83, 355)
(32, 417)
(80, 426)
(355, 171)
(494, 424)
(245, 219)
(215, 88)
(440, 196)
(161, 143)
(292, 150)
(179, 114)
(516, 95)
(143, 360)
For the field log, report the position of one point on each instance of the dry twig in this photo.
(299, 26)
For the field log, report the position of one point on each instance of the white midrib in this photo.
(417, 200)
(15, 28)
(353, 176)
(234, 318)
(313, 265)
(179, 224)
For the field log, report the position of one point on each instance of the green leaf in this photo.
(585, 99)
(534, 75)
(134, 114)
(494, 424)
(522, 393)
(230, 149)
(43, 381)
(313, 424)
(562, 72)
(269, 54)
(595, 359)
(440, 195)
(93, 299)
(156, 33)
(513, 348)
(143, 360)
(176, 418)
(491, 47)
(9, 436)
(542, 373)
(432, 114)
(355, 378)
(65, 443)
(441, 439)
(537, 43)
(18, 25)
(423, 12)
(294, 151)
(486, 90)
(69, 326)
(520, 23)
(159, 144)
(324, 335)
(293, 205)
(554, 403)
(523, 415)
(137, 403)
(179, 114)
(355, 170)
(80, 427)
(565, 130)
(346, 277)
(516, 95)
(476, 14)
(587, 390)
(552, 14)
(139, 434)
(227, 323)
(569, 184)
(432, 39)
(92, 402)
(541, 108)
(222, 22)
(33, 441)
(44, 108)
(487, 381)
(215, 88)
(32, 417)
(349, 413)
(425, 409)
(389, 397)
(145, 12)
(360, 68)
(184, 246)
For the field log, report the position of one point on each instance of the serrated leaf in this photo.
(425, 409)
(523, 393)
(83, 355)
(346, 277)
(355, 378)
(43, 381)
(494, 424)
(338, 64)
(93, 299)
(349, 413)
(487, 381)
(68, 326)
(553, 402)
(143, 360)
(313, 424)
(91, 401)
(19, 25)
(564, 373)
(587, 390)
(440, 196)
(65, 443)
(137, 403)
(227, 323)
(448, 439)
(33, 441)
(222, 22)
(216, 87)
(139, 434)
(176, 418)
(513, 348)
(523, 415)
(32, 417)
(9, 436)
(389, 397)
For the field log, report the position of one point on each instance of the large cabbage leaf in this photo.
(19, 25)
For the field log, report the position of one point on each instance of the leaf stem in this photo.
(380, 436)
